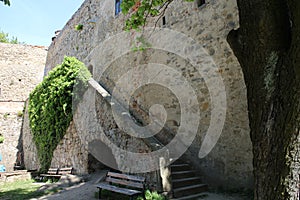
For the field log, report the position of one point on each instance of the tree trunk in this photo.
(267, 47)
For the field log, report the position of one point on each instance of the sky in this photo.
(35, 21)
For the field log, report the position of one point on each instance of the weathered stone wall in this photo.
(31, 160)
(10, 127)
(229, 164)
(71, 152)
(22, 68)
(95, 123)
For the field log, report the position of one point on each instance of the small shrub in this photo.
(4, 38)
(1, 139)
(20, 113)
(5, 116)
(78, 27)
(152, 196)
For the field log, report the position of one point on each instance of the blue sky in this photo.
(34, 21)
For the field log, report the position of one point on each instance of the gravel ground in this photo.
(83, 191)
(87, 190)
(214, 196)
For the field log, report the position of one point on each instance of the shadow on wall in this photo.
(101, 151)
(95, 165)
(19, 163)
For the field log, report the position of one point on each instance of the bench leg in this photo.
(99, 195)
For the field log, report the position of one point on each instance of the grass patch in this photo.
(25, 189)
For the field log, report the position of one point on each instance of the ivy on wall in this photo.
(51, 103)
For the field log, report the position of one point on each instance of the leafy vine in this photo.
(50, 106)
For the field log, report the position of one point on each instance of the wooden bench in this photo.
(57, 172)
(66, 170)
(124, 184)
(52, 173)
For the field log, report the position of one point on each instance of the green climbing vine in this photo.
(50, 106)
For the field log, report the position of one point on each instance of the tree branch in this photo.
(162, 13)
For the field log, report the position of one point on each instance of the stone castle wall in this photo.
(229, 164)
(22, 68)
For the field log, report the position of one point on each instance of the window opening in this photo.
(164, 20)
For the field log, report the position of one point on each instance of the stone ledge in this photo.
(14, 176)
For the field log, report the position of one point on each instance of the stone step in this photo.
(190, 190)
(183, 174)
(186, 181)
(192, 197)
(180, 167)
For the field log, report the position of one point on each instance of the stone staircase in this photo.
(186, 182)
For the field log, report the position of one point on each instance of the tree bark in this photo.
(267, 47)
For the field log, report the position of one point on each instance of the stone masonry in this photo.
(229, 164)
(22, 68)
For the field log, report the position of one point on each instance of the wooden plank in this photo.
(52, 171)
(65, 170)
(125, 176)
(113, 188)
(125, 182)
(51, 175)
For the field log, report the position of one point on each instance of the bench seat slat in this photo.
(125, 182)
(113, 188)
(57, 172)
(51, 175)
(66, 170)
(52, 171)
(125, 176)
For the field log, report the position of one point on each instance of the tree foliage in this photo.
(4, 38)
(51, 104)
(138, 11)
(6, 2)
